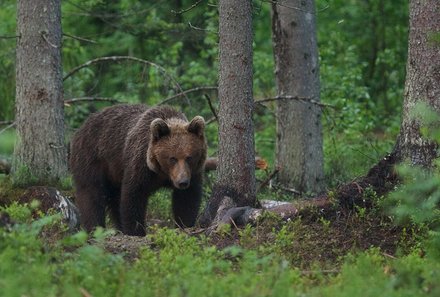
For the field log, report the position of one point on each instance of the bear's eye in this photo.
(173, 160)
(188, 159)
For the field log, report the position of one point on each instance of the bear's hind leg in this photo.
(114, 198)
(91, 202)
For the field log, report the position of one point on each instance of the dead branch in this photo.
(276, 2)
(184, 93)
(201, 29)
(79, 38)
(211, 107)
(8, 37)
(187, 9)
(88, 99)
(268, 179)
(297, 98)
(7, 127)
(5, 123)
(125, 58)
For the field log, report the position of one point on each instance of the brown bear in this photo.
(124, 153)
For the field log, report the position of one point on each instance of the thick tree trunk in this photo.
(40, 152)
(299, 130)
(236, 168)
(422, 81)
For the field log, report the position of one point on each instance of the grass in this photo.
(273, 258)
(7, 140)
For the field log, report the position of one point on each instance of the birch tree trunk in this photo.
(299, 147)
(422, 81)
(236, 165)
(40, 152)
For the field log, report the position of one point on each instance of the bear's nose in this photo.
(183, 184)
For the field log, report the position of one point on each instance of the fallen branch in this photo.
(381, 179)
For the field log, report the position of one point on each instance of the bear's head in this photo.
(177, 149)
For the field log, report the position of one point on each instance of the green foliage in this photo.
(177, 264)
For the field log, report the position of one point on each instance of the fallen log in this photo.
(221, 208)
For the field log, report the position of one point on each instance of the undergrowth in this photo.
(273, 258)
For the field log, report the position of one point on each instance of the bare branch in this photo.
(88, 99)
(124, 58)
(9, 37)
(211, 107)
(187, 92)
(268, 179)
(279, 3)
(302, 99)
(44, 35)
(4, 123)
(79, 38)
(187, 9)
(7, 127)
(201, 29)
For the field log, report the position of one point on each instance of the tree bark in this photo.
(299, 147)
(236, 156)
(422, 82)
(40, 151)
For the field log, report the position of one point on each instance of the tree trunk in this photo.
(299, 150)
(40, 152)
(236, 165)
(422, 81)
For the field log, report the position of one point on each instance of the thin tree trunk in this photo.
(236, 166)
(422, 81)
(299, 129)
(40, 152)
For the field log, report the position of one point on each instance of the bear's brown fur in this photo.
(124, 153)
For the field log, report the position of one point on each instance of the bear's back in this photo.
(98, 147)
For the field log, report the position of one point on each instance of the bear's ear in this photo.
(197, 126)
(159, 129)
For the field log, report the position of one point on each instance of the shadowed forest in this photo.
(321, 123)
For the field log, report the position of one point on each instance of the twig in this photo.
(291, 190)
(326, 271)
(201, 29)
(186, 92)
(187, 9)
(79, 38)
(3, 123)
(9, 37)
(124, 58)
(82, 99)
(276, 2)
(44, 35)
(211, 107)
(268, 179)
(297, 98)
(389, 256)
(7, 127)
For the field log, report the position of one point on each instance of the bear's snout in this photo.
(181, 175)
(183, 184)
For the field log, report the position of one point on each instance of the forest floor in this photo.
(347, 220)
